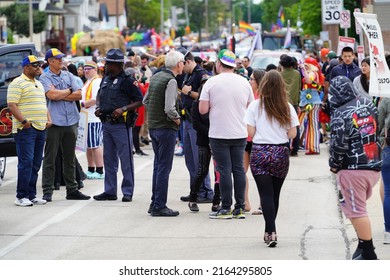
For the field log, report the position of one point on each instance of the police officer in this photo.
(117, 99)
(189, 92)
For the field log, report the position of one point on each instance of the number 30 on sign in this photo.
(331, 11)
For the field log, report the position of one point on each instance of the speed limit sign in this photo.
(331, 11)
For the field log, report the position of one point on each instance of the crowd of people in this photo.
(223, 110)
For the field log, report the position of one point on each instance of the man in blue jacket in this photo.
(348, 68)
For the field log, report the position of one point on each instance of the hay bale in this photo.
(103, 40)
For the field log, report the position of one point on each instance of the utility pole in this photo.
(207, 17)
(117, 12)
(30, 19)
(162, 16)
(249, 11)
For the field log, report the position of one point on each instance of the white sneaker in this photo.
(179, 151)
(386, 239)
(38, 201)
(23, 202)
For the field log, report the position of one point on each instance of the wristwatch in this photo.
(124, 108)
(24, 121)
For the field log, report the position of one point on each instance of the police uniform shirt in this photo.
(116, 92)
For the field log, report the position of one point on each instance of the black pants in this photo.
(135, 131)
(204, 154)
(269, 188)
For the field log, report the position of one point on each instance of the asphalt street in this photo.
(310, 225)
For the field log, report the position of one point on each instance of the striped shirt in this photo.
(30, 97)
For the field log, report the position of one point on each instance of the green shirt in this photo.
(293, 81)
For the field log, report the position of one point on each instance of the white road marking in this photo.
(59, 217)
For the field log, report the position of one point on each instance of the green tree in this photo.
(145, 13)
(309, 11)
(10, 37)
(197, 14)
(271, 9)
(18, 20)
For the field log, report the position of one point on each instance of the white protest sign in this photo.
(331, 10)
(81, 141)
(379, 71)
(345, 42)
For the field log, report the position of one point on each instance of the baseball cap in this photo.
(56, 53)
(90, 64)
(31, 59)
(227, 57)
(331, 55)
(324, 52)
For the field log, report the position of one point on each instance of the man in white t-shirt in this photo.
(225, 97)
(94, 139)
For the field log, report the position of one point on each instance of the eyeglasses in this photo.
(251, 79)
(35, 65)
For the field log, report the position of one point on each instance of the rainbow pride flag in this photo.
(246, 27)
(280, 22)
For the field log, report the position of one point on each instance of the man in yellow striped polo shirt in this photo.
(27, 103)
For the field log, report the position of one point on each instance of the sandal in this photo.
(258, 211)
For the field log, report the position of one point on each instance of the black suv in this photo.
(11, 57)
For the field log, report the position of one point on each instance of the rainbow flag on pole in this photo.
(246, 27)
(281, 19)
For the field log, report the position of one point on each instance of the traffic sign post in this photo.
(345, 21)
(358, 29)
(331, 10)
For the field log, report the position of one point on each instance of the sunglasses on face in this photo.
(35, 65)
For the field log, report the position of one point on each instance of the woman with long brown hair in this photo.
(271, 121)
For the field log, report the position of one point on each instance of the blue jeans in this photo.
(192, 159)
(29, 147)
(229, 156)
(386, 183)
(163, 143)
(118, 144)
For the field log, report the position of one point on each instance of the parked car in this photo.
(11, 57)
(261, 58)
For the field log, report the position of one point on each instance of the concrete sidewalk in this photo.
(310, 225)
